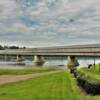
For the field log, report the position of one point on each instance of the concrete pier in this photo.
(72, 62)
(5, 57)
(18, 58)
(38, 60)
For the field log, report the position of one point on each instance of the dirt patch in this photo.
(4, 79)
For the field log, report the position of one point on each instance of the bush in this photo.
(90, 85)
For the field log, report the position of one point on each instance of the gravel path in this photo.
(4, 79)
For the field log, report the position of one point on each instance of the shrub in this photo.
(90, 85)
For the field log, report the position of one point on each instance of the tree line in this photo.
(10, 47)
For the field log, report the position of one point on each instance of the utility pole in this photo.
(99, 67)
(94, 61)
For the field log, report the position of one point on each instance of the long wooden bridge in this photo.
(80, 50)
(38, 53)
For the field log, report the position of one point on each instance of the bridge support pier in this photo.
(18, 58)
(5, 57)
(72, 63)
(38, 60)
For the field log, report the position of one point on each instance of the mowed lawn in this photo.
(25, 71)
(58, 86)
(91, 72)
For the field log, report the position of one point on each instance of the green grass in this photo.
(58, 86)
(91, 72)
(25, 71)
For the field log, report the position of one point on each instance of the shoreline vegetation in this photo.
(88, 79)
(57, 86)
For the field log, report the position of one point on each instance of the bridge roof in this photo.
(72, 46)
(68, 50)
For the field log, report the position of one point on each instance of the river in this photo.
(83, 61)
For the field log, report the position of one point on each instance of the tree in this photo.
(1, 47)
(13, 47)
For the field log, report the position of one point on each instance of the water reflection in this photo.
(83, 61)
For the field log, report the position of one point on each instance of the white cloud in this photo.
(49, 22)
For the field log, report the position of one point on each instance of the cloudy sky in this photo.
(35, 23)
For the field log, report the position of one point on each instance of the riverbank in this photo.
(25, 70)
(41, 84)
(57, 86)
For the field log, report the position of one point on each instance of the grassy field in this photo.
(58, 86)
(91, 72)
(25, 71)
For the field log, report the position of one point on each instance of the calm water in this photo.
(83, 61)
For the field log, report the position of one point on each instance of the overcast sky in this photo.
(35, 23)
